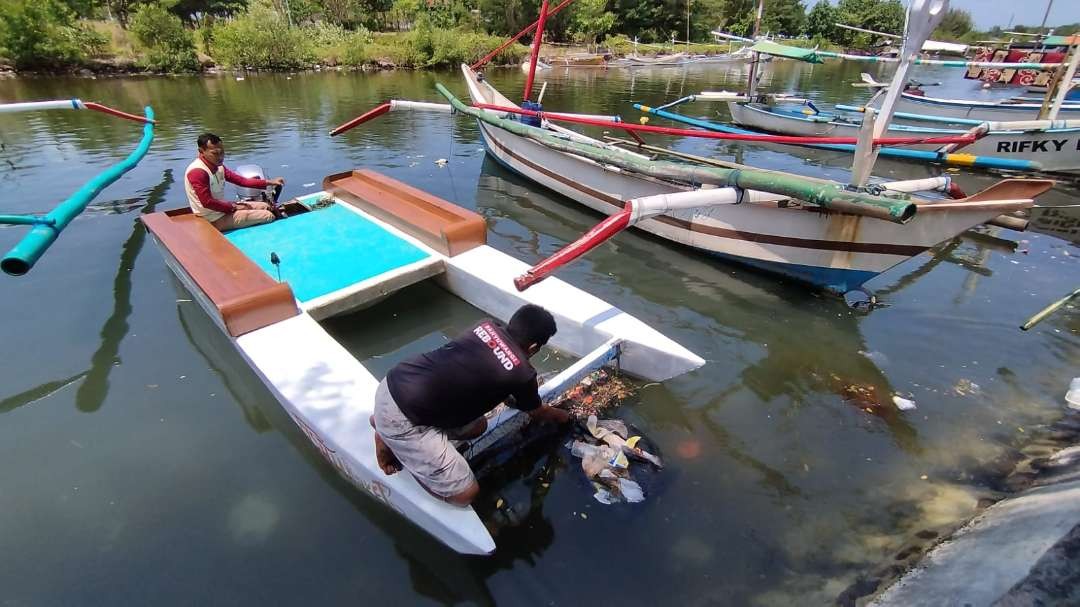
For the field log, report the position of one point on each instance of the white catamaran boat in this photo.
(267, 287)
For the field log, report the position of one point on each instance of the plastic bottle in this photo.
(1073, 395)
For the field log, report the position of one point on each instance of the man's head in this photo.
(531, 327)
(211, 148)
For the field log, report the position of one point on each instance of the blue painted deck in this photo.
(325, 250)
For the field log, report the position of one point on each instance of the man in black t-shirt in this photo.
(442, 395)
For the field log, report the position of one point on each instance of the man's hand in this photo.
(276, 181)
(550, 414)
(242, 206)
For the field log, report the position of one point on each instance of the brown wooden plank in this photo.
(440, 224)
(246, 298)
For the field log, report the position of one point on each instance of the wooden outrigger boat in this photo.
(834, 236)
(371, 236)
(831, 250)
(1044, 145)
(1050, 145)
(1002, 110)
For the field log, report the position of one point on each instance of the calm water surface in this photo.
(141, 462)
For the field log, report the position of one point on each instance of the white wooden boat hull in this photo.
(330, 394)
(986, 111)
(1056, 150)
(833, 251)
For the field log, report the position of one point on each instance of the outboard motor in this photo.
(253, 170)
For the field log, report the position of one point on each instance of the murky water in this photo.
(141, 462)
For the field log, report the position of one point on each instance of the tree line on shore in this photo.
(188, 35)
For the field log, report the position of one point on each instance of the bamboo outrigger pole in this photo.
(826, 195)
(46, 228)
(538, 39)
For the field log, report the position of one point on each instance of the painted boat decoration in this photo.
(373, 236)
(44, 229)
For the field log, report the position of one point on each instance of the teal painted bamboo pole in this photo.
(830, 195)
(25, 254)
(24, 220)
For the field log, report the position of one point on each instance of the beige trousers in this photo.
(241, 218)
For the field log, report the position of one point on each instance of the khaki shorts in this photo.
(425, 451)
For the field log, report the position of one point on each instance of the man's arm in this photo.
(527, 399)
(250, 182)
(200, 183)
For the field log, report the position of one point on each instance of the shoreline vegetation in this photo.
(100, 37)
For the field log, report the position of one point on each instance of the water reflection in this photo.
(95, 387)
(91, 394)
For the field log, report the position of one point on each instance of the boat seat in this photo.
(245, 297)
(442, 225)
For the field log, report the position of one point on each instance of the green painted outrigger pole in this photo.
(46, 228)
(832, 196)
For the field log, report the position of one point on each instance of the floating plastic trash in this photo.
(1073, 395)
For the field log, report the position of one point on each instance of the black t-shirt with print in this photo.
(464, 379)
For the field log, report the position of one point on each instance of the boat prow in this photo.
(376, 236)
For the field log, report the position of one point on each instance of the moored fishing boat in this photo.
(367, 236)
(985, 111)
(834, 236)
(832, 250)
(1052, 146)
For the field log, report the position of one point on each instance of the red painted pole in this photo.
(664, 130)
(362, 118)
(518, 36)
(538, 39)
(588, 241)
(104, 109)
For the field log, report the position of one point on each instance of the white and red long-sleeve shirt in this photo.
(204, 183)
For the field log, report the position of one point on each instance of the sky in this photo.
(988, 13)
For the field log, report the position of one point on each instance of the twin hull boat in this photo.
(368, 237)
(835, 251)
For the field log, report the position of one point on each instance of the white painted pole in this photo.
(922, 17)
(29, 106)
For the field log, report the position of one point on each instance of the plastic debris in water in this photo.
(1073, 395)
(902, 403)
(442, 162)
(965, 387)
(598, 392)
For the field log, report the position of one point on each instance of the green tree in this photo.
(589, 21)
(879, 15)
(169, 47)
(261, 38)
(38, 34)
(821, 21)
(200, 12)
(955, 24)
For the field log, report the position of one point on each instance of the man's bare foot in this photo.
(388, 462)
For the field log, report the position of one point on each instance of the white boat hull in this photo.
(834, 251)
(329, 394)
(985, 111)
(1056, 150)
